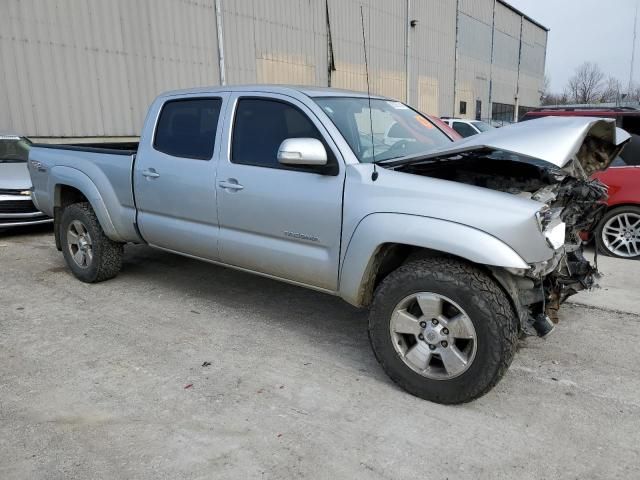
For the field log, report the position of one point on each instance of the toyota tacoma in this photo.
(456, 248)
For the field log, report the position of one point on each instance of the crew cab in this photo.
(456, 248)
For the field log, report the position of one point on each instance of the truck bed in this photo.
(102, 172)
(124, 148)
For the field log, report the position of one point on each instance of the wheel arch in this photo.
(73, 186)
(383, 242)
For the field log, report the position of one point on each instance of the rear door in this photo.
(274, 219)
(174, 176)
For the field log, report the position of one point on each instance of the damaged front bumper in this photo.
(537, 293)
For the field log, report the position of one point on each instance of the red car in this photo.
(618, 233)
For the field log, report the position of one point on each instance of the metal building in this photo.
(89, 69)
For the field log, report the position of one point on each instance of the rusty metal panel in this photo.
(91, 68)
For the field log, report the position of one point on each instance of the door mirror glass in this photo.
(302, 151)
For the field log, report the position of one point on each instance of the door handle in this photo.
(230, 184)
(150, 173)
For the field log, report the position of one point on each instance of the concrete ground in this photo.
(107, 382)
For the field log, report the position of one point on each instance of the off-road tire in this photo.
(602, 248)
(107, 254)
(487, 306)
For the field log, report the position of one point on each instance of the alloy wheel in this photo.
(621, 235)
(79, 244)
(433, 335)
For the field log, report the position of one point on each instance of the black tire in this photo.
(493, 318)
(600, 245)
(106, 254)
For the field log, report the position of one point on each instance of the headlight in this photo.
(552, 226)
(555, 234)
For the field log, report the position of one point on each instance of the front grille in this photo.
(12, 191)
(6, 221)
(17, 206)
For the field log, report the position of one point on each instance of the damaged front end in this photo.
(559, 179)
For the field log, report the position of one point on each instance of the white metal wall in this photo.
(432, 55)
(90, 68)
(275, 41)
(506, 51)
(532, 62)
(473, 74)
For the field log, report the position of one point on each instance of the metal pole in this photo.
(455, 60)
(407, 57)
(493, 36)
(223, 75)
(633, 50)
(517, 99)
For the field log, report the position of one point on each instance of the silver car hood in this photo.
(594, 142)
(14, 176)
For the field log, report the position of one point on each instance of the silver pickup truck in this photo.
(456, 248)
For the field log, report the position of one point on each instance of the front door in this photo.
(174, 177)
(274, 219)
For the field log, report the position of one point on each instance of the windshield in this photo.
(14, 150)
(482, 126)
(398, 130)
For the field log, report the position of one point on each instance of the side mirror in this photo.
(302, 151)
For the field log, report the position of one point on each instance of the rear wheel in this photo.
(442, 330)
(89, 253)
(618, 233)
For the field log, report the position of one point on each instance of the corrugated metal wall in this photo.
(432, 55)
(506, 51)
(475, 26)
(534, 48)
(90, 68)
(275, 41)
(385, 29)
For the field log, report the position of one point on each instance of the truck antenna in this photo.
(374, 175)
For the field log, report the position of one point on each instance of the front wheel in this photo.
(89, 253)
(442, 330)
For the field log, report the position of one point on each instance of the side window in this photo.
(187, 128)
(261, 125)
(464, 129)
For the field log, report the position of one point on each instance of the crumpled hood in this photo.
(594, 142)
(14, 176)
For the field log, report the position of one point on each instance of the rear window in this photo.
(631, 124)
(630, 155)
(482, 126)
(14, 150)
(187, 128)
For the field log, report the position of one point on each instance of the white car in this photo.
(16, 207)
(467, 128)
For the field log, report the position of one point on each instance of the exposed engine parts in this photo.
(575, 200)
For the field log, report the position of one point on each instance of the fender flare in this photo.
(68, 176)
(378, 229)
